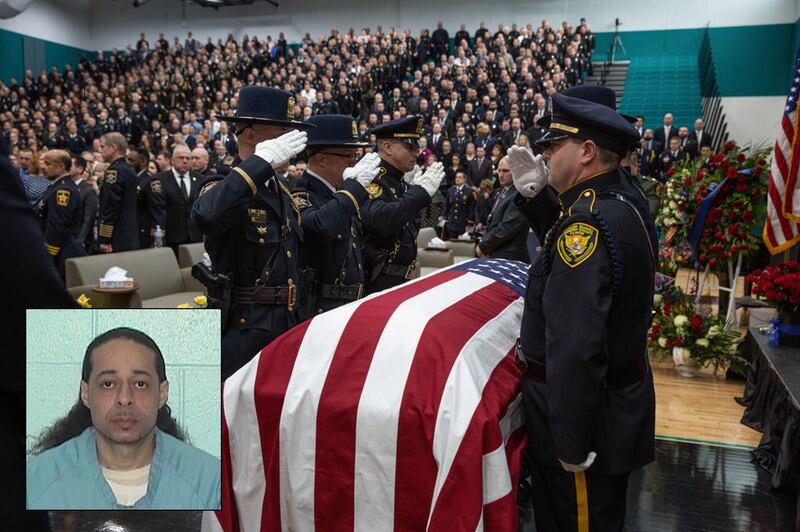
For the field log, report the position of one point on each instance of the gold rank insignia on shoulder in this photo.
(300, 200)
(257, 216)
(62, 198)
(155, 186)
(374, 190)
(205, 188)
(111, 176)
(577, 243)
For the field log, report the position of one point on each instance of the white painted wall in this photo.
(62, 21)
(117, 22)
(753, 120)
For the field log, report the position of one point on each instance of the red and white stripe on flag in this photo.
(401, 411)
(781, 230)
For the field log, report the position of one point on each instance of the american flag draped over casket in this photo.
(400, 411)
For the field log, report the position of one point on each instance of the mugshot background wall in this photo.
(189, 341)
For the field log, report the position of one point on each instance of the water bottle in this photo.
(158, 237)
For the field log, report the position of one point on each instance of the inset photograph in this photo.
(123, 409)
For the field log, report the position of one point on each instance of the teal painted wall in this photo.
(11, 66)
(750, 60)
(189, 341)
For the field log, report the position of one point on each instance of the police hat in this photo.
(408, 129)
(593, 93)
(585, 118)
(265, 105)
(334, 130)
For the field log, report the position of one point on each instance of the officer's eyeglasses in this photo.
(351, 156)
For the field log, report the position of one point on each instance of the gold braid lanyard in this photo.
(294, 205)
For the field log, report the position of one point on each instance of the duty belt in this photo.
(350, 292)
(266, 295)
(618, 376)
(399, 270)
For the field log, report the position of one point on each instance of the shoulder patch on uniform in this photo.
(301, 200)
(374, 190)
(62, 197)
(111, 176)
(208, 186)
(155, 186)
(577, 243)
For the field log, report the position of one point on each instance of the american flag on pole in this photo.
(781, 230)
(400, 411)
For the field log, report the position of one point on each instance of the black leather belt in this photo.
(266, 295)
(350, 292)
(618, 376)
(399, 270)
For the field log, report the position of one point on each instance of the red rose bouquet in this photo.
(778, 284)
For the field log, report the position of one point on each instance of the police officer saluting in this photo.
(330, 196)
(117, 220)
(252, 228)
(61, 210)
(588, 389)
(390, 214)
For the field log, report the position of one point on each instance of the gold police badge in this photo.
(290, 108)
(374, 190)
(62, 198)
(577, 243)
(420, 124)
(355, 130)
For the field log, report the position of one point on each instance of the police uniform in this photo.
(459, 210)
(390, 216)
(588, 387)
(61, 213)
(150, 208)
(253, 236)
(331, 220)
(117, 220)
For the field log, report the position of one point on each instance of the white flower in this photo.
(713, 331)
(673, 205)
(662, 341)
(702, 342)
(657, 299)
(680, 320)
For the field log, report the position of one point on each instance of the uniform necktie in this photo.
(184, 189)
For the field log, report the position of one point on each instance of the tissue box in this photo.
(127, 283)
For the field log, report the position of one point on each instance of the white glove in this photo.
(364, 170)
(431, 178)
(583, 466)
(278, 151)
(409, 177)
(529, 172)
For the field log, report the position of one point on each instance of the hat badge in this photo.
(419, 126)
(355, 130)
(290, 108)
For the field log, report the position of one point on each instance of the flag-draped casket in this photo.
(400, 411)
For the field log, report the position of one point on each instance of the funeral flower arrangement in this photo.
(727, 191)
(779, 285)
(678, 323)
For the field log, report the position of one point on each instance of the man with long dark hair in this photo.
(119, 447)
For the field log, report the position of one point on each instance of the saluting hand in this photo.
(529, 172)
(278, 151)
(431, 178)
(364, 170)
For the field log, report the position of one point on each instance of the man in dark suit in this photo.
(506, 235)
(180, 188)
(665, 132)
(688, 145)
(89, 199)
(479, 168)
(648, 152)
(699, 135)
(435, 141)
(227, 139)
(673, 155)
(511, 136)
